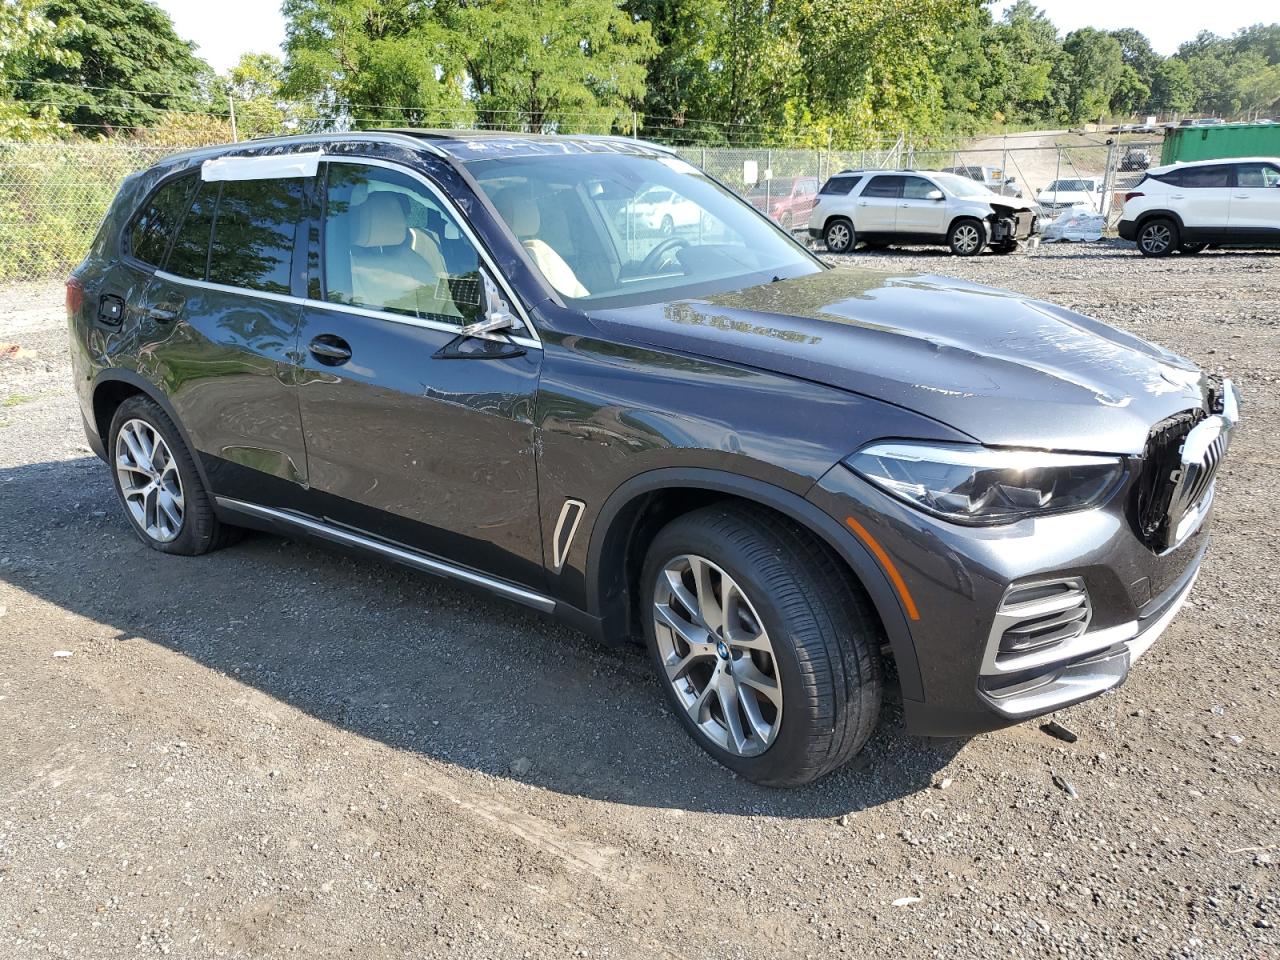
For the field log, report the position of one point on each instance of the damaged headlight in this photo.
(980, 485)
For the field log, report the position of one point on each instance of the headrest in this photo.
(379, 221)
(520, 212)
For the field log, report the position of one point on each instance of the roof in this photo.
(468, 145)
(1182, 164)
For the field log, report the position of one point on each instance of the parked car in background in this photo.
(786, 200)
(439, 350)
(662, 209)
(1183, 207)
(990, 176)
(883, 207)
(1135, 158)
(1072, 192)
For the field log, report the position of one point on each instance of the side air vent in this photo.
(566, 528)
(1037, 618)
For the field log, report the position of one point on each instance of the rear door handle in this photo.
(330, 349)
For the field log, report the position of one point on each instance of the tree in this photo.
(393, 62)
(574, 64)
(254, 84)
(1137, 53)
(122, 65)
(1172, 90)
(1095, 71)
(27, 37)
(1131, 93)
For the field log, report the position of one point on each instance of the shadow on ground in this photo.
(411, 661)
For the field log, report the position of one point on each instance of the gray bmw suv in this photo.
(474, 354)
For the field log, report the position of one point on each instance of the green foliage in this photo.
(118, 63)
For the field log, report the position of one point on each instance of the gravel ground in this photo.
(276, 750)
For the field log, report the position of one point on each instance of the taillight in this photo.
(1131, 194)
(75, 296)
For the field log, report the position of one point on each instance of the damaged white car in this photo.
(880, 208)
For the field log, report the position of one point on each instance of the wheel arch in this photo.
(1147, 216)
(633, 514)
(847, 218)
(113, 387)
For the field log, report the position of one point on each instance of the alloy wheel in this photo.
(966, 238)
(838, 237)
(1156, 238)
(150, 484)
(717, 655)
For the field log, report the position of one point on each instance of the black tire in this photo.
(827, 652)
(1158, 237)
(200, 531)
(1191, 249)
(839, 235)
(967, 237)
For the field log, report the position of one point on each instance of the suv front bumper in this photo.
(1114, 594)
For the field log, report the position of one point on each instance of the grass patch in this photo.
(17, 398)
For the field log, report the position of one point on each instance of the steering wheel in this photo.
(656, 258)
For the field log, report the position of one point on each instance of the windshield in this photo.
(622, 229)
(1070, 186)
(959, 186)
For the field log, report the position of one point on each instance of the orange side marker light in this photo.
(885, 561)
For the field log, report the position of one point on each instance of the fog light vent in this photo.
(1041, 615)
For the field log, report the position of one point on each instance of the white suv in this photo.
(880, 207)
(1186, 206)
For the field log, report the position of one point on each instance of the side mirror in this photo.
(497, 318)
(934, 195)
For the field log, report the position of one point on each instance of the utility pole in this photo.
(231, 102)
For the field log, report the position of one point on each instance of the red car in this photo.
(787, 200)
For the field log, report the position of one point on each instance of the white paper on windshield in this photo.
(261, 168)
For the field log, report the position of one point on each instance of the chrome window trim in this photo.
(324, 305)
(560, 554)
(463, 224)
(412, 558)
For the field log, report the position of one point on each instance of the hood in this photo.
(1002, 368)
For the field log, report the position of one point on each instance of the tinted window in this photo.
(916, 188)
(390, 245)
(253, 234)
(1257, 175)
(1204, 177)
(1173, 177)
(839, 186)
(190, 253)
(884, 187)
(155, 224)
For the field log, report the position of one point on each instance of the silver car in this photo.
(883, 207)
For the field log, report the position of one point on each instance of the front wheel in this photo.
(668, 225)
(839, 236)
(767, 651)
(967, 237)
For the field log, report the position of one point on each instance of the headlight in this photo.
(978, 485)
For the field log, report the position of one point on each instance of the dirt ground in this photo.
(280, 751)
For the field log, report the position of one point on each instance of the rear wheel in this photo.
(1158, 237)
(967, 237)
(156, 480)
(767, 652)
(839, 236)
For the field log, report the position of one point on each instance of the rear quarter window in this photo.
(156, 222)
(839, 186)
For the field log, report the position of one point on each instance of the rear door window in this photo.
(884, 187)
(155, 224)
(253, 234)
(190, 254)
(1207, 177)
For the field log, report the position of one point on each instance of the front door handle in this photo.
(330, 349)
(165, 313)
(1240, 196)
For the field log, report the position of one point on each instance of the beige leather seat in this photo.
(390, 267)
(522, 216)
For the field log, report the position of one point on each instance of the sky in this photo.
(224, 29)
(1167, 23)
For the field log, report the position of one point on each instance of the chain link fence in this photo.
(53, 195)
